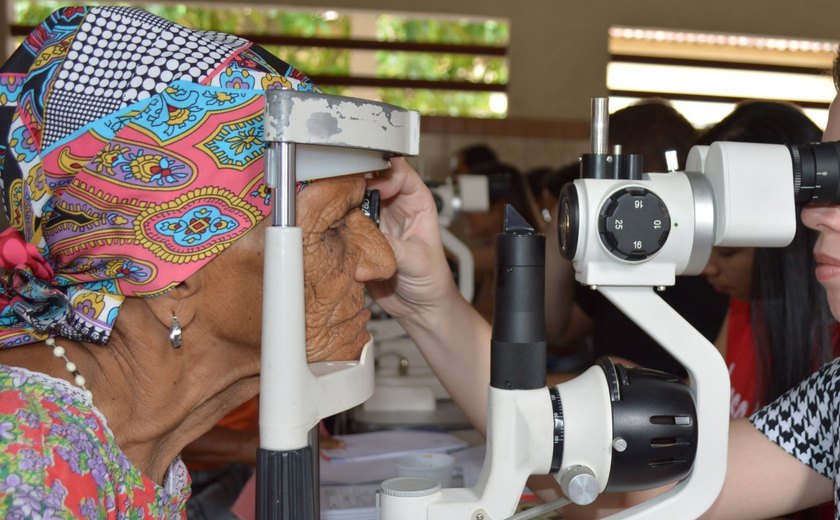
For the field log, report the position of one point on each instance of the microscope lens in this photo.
(816, 172)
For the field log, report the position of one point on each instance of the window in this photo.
(705, 74)
(484, 71)
(439, 65)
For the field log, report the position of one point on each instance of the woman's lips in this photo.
(717, 286)
(827, 267)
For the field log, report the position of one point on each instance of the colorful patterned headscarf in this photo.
(131, 155)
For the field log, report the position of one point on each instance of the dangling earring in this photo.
(175, 332)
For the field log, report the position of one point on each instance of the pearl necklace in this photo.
(59, 352)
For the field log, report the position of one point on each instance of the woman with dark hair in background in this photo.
(543, 198)
(546, 184)
(778, 328)
(470, 157)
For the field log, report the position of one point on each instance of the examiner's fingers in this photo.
(399, 178)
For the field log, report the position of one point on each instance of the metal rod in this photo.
(283, 194)
(600, 130)
(272, 154)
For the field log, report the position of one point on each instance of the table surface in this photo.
(445, 417)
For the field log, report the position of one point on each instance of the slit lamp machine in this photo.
(627, 232)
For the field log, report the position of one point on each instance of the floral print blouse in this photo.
(59, 459)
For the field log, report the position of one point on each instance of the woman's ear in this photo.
(181, 301)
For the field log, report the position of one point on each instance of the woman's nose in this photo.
(711, 268)
(374, 257)
(822, 218)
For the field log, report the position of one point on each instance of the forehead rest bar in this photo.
(337, 135)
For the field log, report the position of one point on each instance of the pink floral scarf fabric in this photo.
(131, 155)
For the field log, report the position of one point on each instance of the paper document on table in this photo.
(357, 472)
(348, 502)
(390, 445)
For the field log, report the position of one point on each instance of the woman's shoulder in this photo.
(56, 448)
(829, 377)
(819, 393)
(41, 393)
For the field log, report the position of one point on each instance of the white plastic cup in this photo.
(436, 466)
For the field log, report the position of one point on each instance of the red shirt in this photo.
(746, 390)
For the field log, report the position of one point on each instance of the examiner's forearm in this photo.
(455, 340)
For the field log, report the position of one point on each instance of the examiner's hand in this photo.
(408, 219)
(423, 297)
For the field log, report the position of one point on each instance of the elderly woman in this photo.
(133, 180)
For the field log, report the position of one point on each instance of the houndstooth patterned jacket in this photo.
(805, 422)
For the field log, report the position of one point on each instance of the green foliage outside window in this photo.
(442, 102)
(238, 20)
(318, 61)
(452, 67)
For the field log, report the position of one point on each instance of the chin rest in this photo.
(312, 136)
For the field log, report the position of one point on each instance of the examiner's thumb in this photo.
(402, 251)
(411, 255)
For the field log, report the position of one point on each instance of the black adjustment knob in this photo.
(634, 224)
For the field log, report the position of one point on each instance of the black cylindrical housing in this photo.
(287, 485)
(634, 165)
(598, 166)
(655, 416)
(517, 359)
(816, 172)
(371, 205)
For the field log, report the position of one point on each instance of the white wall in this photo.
(558, 48)
(558, 53)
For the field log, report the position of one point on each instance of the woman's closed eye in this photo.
(728, 252)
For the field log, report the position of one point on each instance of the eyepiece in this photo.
(816, 173)
(370, 205)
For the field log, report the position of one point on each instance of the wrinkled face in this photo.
(730, 270)
(342, 249)
(826, 220)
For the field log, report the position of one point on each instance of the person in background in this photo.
(778, 328)
(776, 306)
(506, 185)
(575, 353)
(470, 157)
(554, 181)
(544, 199)
(574, 312)
(546, 184)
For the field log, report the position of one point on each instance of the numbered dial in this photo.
(634, 224)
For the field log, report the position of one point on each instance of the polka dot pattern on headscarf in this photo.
(132, 155)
